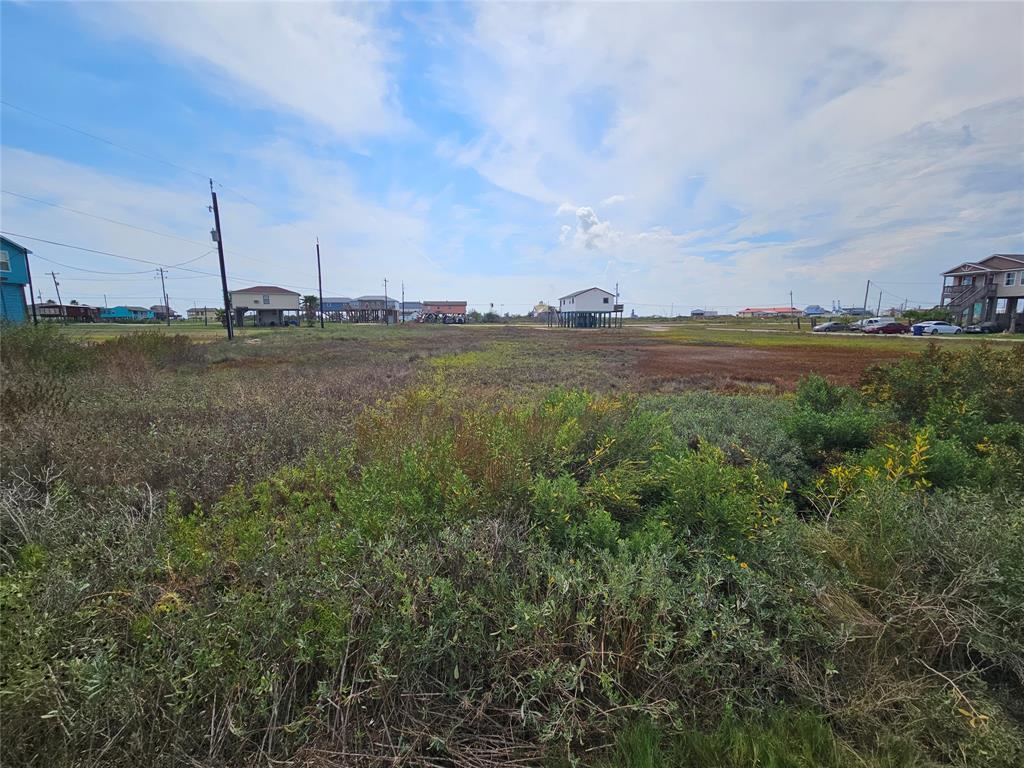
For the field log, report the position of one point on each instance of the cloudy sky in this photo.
(715, 155)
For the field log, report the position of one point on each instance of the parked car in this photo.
(935, 327)
(986, 327)
(891, 327)
(868, 322)
(832, 327)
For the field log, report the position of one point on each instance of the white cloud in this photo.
(325, 62)
(841, 128)
(590, 232)
(614, 200)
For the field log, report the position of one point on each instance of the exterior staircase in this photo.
(960, 298)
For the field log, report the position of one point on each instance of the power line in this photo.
(135, 258)
(131, 226)
(101, 218)
(148, 156)
(91, 271)
(140, 153)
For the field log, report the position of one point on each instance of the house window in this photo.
(266, 298)
(967, 280)
(1001, 306)
(1011, 278)
(605, 299)
(5, 262)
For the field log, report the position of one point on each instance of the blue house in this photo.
(129, 314)
(814, 310)
(14, 276)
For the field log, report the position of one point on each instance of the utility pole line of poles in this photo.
(403, 301)
(879, 310)
(56, 287)
(319, 283)
(386, 301)
(163, 290)
(220, 254)
(28, 271)
(866, 289)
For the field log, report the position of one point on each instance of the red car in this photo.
(892, 327)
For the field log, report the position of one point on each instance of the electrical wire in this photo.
(140, 153)
(101, 218)
(144, 261)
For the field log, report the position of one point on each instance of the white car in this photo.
(863, 325)
(934, 327)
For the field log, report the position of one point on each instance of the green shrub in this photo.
(704, 493)
(743, 426)
(35, 361)
(42, 347)
(156, 348)
(829, 418)
(985, 377)
(472, 583)
(788, 739)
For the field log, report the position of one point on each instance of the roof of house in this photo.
(336, 299)
(265, 289)
(389, 299)
(577, 293)
(16, 245)
(995, 263)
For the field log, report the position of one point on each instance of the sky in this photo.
(696, 155)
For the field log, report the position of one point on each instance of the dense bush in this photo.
(985, 377)
(829, 419)
(817, 580)
(35, 361)
(741, 425)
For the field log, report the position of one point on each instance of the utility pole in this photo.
(163, 290)
(403, 301)
(386, 301)
(220, 255)
(32, 298)
(105, 301)
(866, 289)
(879, 310)
(56, 287)
(319, 283)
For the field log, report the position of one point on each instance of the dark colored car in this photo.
(986, 327)
(830, 328)
(892, 327)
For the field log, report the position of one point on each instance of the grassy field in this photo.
(672, 544)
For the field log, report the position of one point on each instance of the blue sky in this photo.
(698, 155)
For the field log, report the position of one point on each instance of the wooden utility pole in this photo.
(403, 301)
(319, 283)
(220, 254)
(56, 287)
(163, 290)
(866, 289)
(386, 307)
(31, 296)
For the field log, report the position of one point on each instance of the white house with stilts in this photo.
(589, 308)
